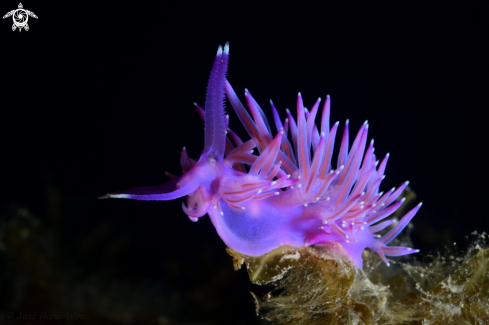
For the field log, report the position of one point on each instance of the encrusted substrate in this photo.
(319, 285)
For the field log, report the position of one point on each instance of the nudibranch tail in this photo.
(289, 192)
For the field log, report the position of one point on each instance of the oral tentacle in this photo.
(164, 192)
(196, 205)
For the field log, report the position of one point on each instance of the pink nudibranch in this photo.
(288, 194)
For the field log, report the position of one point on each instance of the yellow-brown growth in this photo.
(318, 285)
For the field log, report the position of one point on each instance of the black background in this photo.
(97, 97)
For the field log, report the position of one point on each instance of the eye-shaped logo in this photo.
(20, 17)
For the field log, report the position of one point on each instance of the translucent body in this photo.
(288, 194)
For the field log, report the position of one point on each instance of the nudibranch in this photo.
(288, 193)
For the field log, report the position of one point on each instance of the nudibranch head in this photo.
(288, 193)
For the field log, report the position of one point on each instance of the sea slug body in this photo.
(289, 193)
